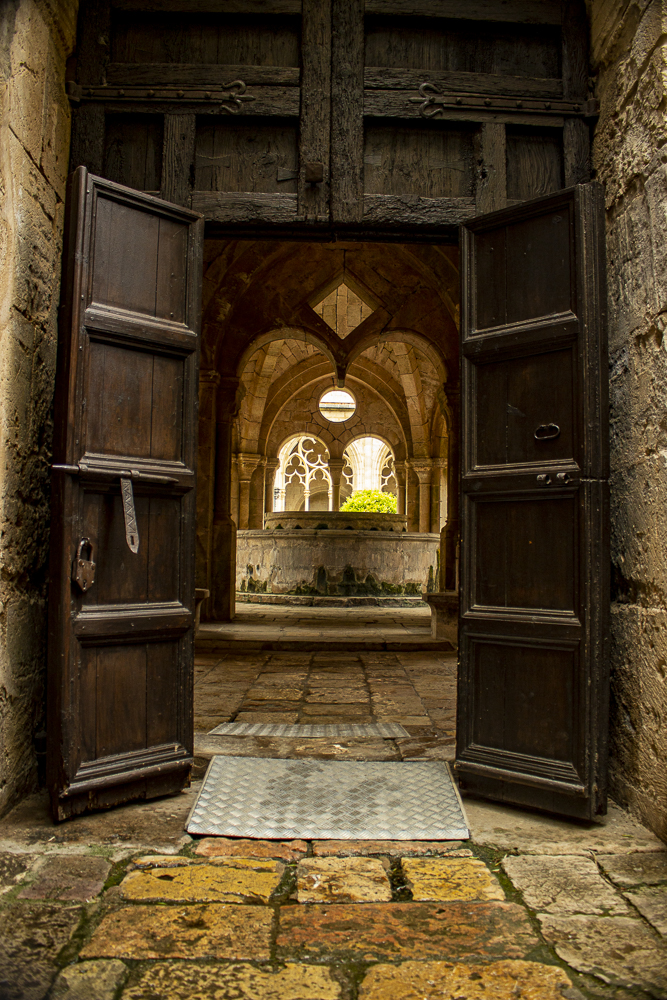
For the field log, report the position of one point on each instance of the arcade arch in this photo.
(282, 324)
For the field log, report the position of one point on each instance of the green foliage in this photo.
(373, 501)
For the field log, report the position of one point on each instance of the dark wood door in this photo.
(123, 497)
(533, 678)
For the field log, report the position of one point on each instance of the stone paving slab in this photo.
(555, 884)
(219, 847)
(12, 869)
(230, 880)
(458, 931)
(443, 981)
(31, 937)
(158, 825)
(511, 829)
(635, 869)
(342, 880)
(214, 930)
(188, 981)
(285, 748)
(392, 848)
(652, 904)
(616, 949)
(447, 879)
(72, 877)
(96, 980)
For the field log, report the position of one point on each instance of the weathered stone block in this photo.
(443, 981)
(219, 930)
(635, 869)
(342, 880)
(220, 847)
(615, 949)
(97, 980)
(74, 877)
(652, 904)
(236, 880)
(470, 931)
(563, 885)
(447, 879)
(188, 981)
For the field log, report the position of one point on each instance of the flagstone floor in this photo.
(124, 905)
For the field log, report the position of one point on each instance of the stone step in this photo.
(313, 601)
(207, 643)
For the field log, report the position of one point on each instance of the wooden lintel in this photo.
(413, 210)
(387, 78)
(211, 6)
(199, 75)
(241, 207)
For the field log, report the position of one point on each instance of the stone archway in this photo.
(283, 322)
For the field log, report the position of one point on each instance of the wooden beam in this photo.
(397, 104)
(575, 51)
(268, 101)
(491, 168)
(239, 207)
(199, 75)
(381, 78)
(87, 145)
(515, 11)
(347, 110)
(413, 210)
(576, 152)
(94, 36)
(178, 158)
(315, 123)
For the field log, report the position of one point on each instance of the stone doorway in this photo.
(325, 622)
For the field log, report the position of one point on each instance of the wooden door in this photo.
(123, 497)
(533, 679)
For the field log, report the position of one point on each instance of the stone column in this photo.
(234, 500)
(436, 492)
(222, 602)
(423, 471)
(246, 465)
(401, 473)
(269, 479)
(208, 384)
(336, 466)
(449, 536)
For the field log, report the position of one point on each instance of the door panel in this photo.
(533, 677)
(121, 649)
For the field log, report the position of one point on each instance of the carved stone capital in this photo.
(422, 469)
(247, 463)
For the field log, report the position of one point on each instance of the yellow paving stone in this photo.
(229, 880)
(219, 930)
(342, 880)
(443, 981)
(446, 879)
(187, 981)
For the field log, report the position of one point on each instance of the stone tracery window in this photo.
(302, 472)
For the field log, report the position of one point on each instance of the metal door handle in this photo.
(544, 480)
(563, 477)
(546, 432)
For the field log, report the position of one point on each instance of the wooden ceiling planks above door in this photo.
(275, 114)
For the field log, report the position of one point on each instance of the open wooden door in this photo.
(123, 499)
(533, 674)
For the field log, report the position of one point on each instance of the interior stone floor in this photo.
(365, 683)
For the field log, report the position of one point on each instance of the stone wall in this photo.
(629, 56)
(36, 38)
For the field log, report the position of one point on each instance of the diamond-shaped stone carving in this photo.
(343, 308)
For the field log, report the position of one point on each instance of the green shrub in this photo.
(370, 500)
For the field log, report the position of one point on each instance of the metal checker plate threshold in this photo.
(385, 731)
(328, 800)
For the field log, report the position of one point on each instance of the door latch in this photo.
(83, 570)
(131, 531)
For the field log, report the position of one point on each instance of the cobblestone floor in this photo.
(126, 905)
